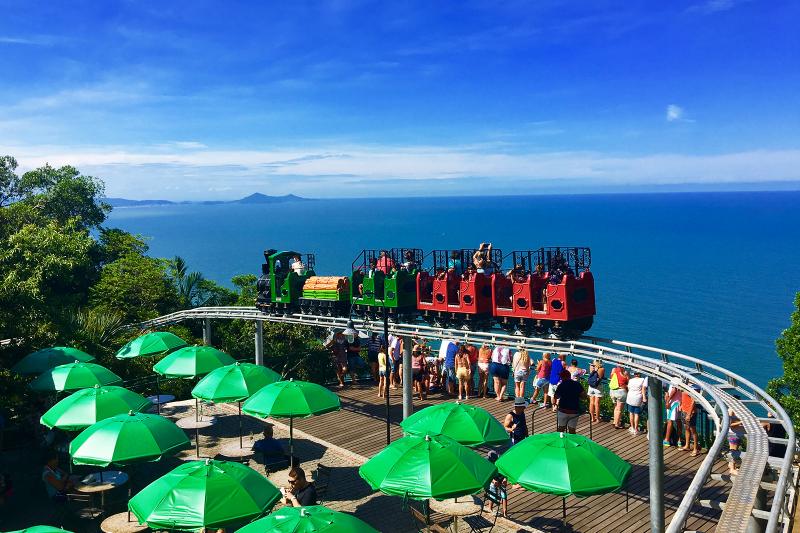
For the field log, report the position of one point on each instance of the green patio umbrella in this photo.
(234, 383)
(74, 376)
(155, 343)
(564, 464)
(47, 358)
(41, 529)
(466, 424)
(291, 399)
(310, 519)
(127, 439)
(429, 466)
(192, 361)
(204, 494)
(83, 408)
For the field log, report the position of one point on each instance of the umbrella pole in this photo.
(590, 426)
(240, 426)
(564, 513)
(196, 410)
(197, 441)
(158, 396)
(291, 442)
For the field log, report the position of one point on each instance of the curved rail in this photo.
(723, 390)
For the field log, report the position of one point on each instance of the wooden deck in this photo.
(361, 428)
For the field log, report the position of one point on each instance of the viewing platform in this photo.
(696, 496)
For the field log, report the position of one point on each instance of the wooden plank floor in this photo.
(361, 428)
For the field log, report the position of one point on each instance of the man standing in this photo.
(555, 376)
(515, 422)
(447, 352)
(567, 399)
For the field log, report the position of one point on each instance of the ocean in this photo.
(708, 274)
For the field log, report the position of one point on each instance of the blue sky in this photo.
(196, 100)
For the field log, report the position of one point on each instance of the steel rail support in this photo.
(655, 415)
(259, 341)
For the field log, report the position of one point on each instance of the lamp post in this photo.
(388, 355)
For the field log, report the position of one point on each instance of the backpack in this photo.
(594, 379)
(614, 383)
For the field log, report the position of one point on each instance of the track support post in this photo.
(207, 331)
(259, 340)
(655, 417)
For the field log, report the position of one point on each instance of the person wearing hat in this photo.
(498, 486)
(515, 422)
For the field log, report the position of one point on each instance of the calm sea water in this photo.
(707, 274)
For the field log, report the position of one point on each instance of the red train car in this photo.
(454, 291)
(546, 290)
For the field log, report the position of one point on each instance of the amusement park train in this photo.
(545, 291)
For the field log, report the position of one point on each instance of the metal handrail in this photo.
(658, 365)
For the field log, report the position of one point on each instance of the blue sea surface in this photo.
(707, 274)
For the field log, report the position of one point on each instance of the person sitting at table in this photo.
(270, 448)
(56, 481)
(300, 493)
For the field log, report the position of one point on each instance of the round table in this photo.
(101, 482)
(121, 523)
(189, 422)
(456, 507)
(234, 451)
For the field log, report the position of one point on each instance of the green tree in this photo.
(135, 286)
(786, 388)
(116, 243)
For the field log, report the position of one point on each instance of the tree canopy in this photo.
(786, 388)
(67, 279)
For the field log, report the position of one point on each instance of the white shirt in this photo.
(298, 267)
(394, 347)
(636, 387)
(443, 348)
(502, 355)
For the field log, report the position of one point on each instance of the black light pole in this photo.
(388, 377)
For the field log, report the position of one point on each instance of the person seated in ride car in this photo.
(371, 269)
(517, 274)
(385, 262)
(297, 265)
(454, 265)
(482, 259)
(409, 264)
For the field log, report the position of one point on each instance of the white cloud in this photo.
(338, 170)
(674, 113)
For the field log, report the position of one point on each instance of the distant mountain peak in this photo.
(260, 198)
(255, 198)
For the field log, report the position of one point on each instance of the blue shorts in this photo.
(498, 370)
(450, 373)
(634, 409)
(541, 382)
(354, 362)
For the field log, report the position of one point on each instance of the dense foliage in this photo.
(66, 279)
(786, 389)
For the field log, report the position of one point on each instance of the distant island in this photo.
(255, 198)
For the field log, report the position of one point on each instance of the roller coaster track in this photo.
(721, 389)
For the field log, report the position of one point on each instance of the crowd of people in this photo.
(465, 370)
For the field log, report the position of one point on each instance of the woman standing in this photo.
(522, 369)
(462, 373)
(596, 376)
(498, 368)
(542, 379)
(484, 358)
(618, 387)
(417, 370)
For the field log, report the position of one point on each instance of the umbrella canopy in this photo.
(563, 464)
(74, 376)
(427, 467)
(126, 439)
(83, 408)
(291, 399)
(156, 343)
(41, 529)
(234, 383)
(311, 519)
(466, 424)
(192, 361)
(47, 358)
(204, 494)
